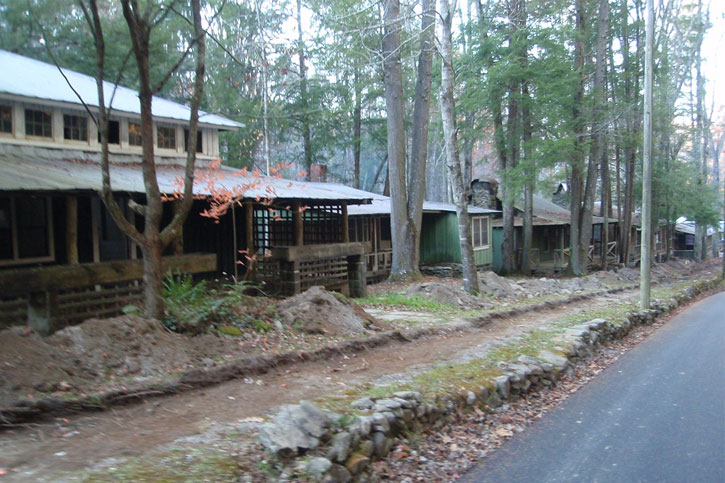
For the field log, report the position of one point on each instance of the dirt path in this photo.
(43, 451)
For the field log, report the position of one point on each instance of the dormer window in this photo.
(166, 137)
(38, 123)
(75, 128)
(199, 146)
(6, 119)
(134, 134)
(114, 132)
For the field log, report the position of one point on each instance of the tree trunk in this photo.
(577, 171)
(402, 226)
(357, 128)
(304, 107)
(421, 121)
(447, 104)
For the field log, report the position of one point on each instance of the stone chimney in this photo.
(318, 173)
(483, 193)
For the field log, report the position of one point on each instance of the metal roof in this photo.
(32, 169)
(381, 206)
(26, 77)
(546, 213)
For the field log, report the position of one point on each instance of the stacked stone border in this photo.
(29, 410)
(345, 446)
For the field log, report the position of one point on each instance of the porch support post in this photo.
(71, 230)
(249, 240)
(43, 312)
(297, 223)
(345, 224)
(357, 282)
(179, 240)
(291, 277)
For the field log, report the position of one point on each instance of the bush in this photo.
(196, 308)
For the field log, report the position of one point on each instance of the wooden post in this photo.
(345, 226)
(43, 312)
(357, 282)
(178, 242)
(298, 224)
(71, 230)
(249, 239)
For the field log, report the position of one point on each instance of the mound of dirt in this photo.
(82, 358)
(317, 311)
(447, 295)
(492, 284)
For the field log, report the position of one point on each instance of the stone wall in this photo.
(346, 445)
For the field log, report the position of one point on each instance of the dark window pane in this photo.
(32, 222)
(75, 127)
(114, 132)
(38, 123)
(6, 241)
(6, 119)
(199, 146)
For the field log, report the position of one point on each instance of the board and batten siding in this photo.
(439, 241)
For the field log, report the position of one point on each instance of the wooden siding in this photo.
(439, 241)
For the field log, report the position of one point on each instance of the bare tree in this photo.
(141, 20)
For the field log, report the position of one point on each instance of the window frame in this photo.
(75, 124)
(483, 222)
(16, 259)
(50, 123)
(172, 136)
(133, 135)
(11, 120)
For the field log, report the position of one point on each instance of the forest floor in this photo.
(210, 432)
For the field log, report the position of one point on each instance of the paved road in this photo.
(655, 415)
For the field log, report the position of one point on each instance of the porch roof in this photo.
(546, 213)
(29, 169)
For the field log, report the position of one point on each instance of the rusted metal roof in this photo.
(33, 169)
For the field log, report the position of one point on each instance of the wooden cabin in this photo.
(62, 256)
(439, 240)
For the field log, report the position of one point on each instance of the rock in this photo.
(560, 363)
(340, 447)
(367, 448)
(382, 444)
(316, 467)
(357, 463)
(470, 398)
(503, 386)
(337, 474)
(409, 395)
(285, 439)
(386, 405)
(365, 425)
(364, 403)
(380, 423)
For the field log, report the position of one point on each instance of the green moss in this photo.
(176, 465)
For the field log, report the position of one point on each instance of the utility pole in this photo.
(644, 278)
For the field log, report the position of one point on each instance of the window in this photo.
(166, 137)
(25, 233)
(199, 146)
(134, 134)
(114, 132)
(75, 127)
(6, 119)
(480, 232)
(38, 123)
